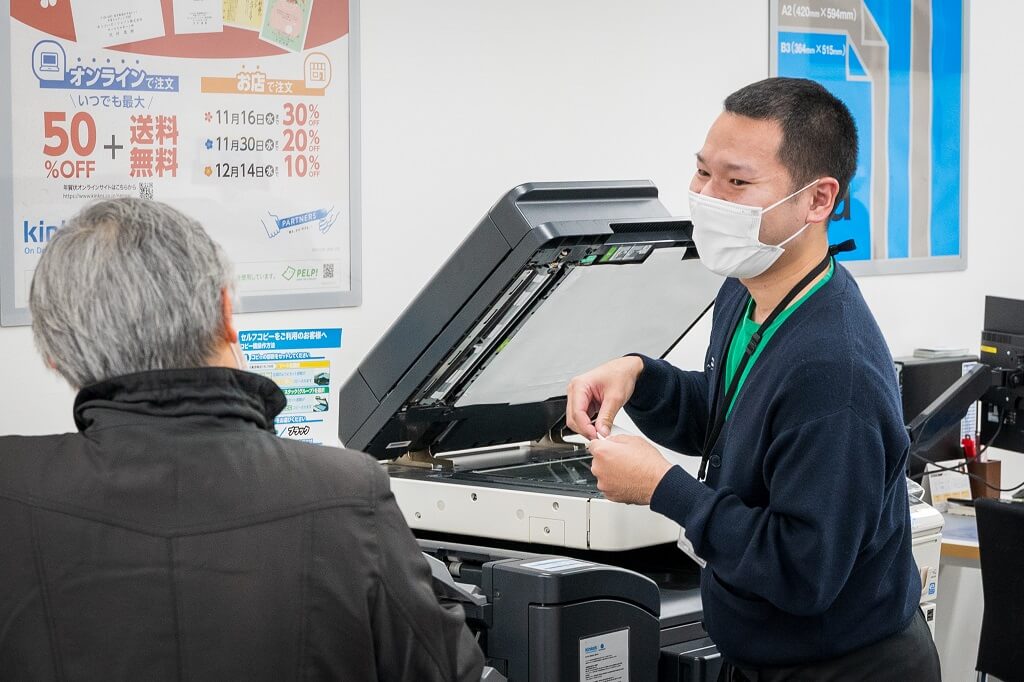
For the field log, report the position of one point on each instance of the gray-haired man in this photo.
(175, 536)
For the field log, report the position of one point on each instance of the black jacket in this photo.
(175, 537)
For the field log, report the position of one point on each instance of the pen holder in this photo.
(989, 471)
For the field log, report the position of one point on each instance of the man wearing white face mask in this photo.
(800, 507)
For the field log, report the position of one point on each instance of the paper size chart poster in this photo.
(299, 361)
(236, 112)
(899, 65)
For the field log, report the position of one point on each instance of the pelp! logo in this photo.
(300, 274)
(38, 233)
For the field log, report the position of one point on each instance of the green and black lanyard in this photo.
(720, 409)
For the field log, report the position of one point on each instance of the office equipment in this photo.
(998, 382)
(921, 381)
(1001, 546)
(465, 396)
(934, 423)
(946, 410)
(466, 391)
(1002, 348)
(546, 618)
(926, 526)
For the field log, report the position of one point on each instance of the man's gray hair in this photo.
(128, 285)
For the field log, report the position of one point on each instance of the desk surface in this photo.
(960, 537)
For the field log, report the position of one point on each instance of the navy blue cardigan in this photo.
(803, 519)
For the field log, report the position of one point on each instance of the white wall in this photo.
(464, 99)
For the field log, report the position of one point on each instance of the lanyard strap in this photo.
(719, 410)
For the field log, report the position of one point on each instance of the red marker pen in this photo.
(970, 452)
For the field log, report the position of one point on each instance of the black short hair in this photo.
(819, 136)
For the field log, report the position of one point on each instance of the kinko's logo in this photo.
(38, 233)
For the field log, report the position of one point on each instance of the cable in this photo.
(959, 468)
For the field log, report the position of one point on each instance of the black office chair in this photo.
(1001, 546)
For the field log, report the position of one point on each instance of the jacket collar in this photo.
(217, 392)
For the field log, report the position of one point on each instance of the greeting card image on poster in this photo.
(247, 14)
(198, 16)
(115, 22)
(285, 23)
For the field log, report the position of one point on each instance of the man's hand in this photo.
(603, 390)
(628, 468)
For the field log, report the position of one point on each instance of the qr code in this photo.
(146, 190)
(328, 270)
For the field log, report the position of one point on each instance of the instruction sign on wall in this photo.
(301, 363)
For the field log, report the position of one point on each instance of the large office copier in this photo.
(464, 396)
(464, 399)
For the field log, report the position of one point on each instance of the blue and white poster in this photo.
(300, 362)
(899, 65)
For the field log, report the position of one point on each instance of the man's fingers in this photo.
(579, 422)
(577, 418)
(610, 406)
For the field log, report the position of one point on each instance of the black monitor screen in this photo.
(1001, 418)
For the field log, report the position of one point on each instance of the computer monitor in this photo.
(1002, 348)
(946, 411)
(922, 381)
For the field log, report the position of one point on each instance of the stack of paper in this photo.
(940, 352)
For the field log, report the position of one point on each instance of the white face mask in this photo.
(727, 235)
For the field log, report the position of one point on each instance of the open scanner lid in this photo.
(556, 279)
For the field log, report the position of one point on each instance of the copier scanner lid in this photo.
(556, 279)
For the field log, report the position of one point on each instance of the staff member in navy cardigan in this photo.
(800, 508)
